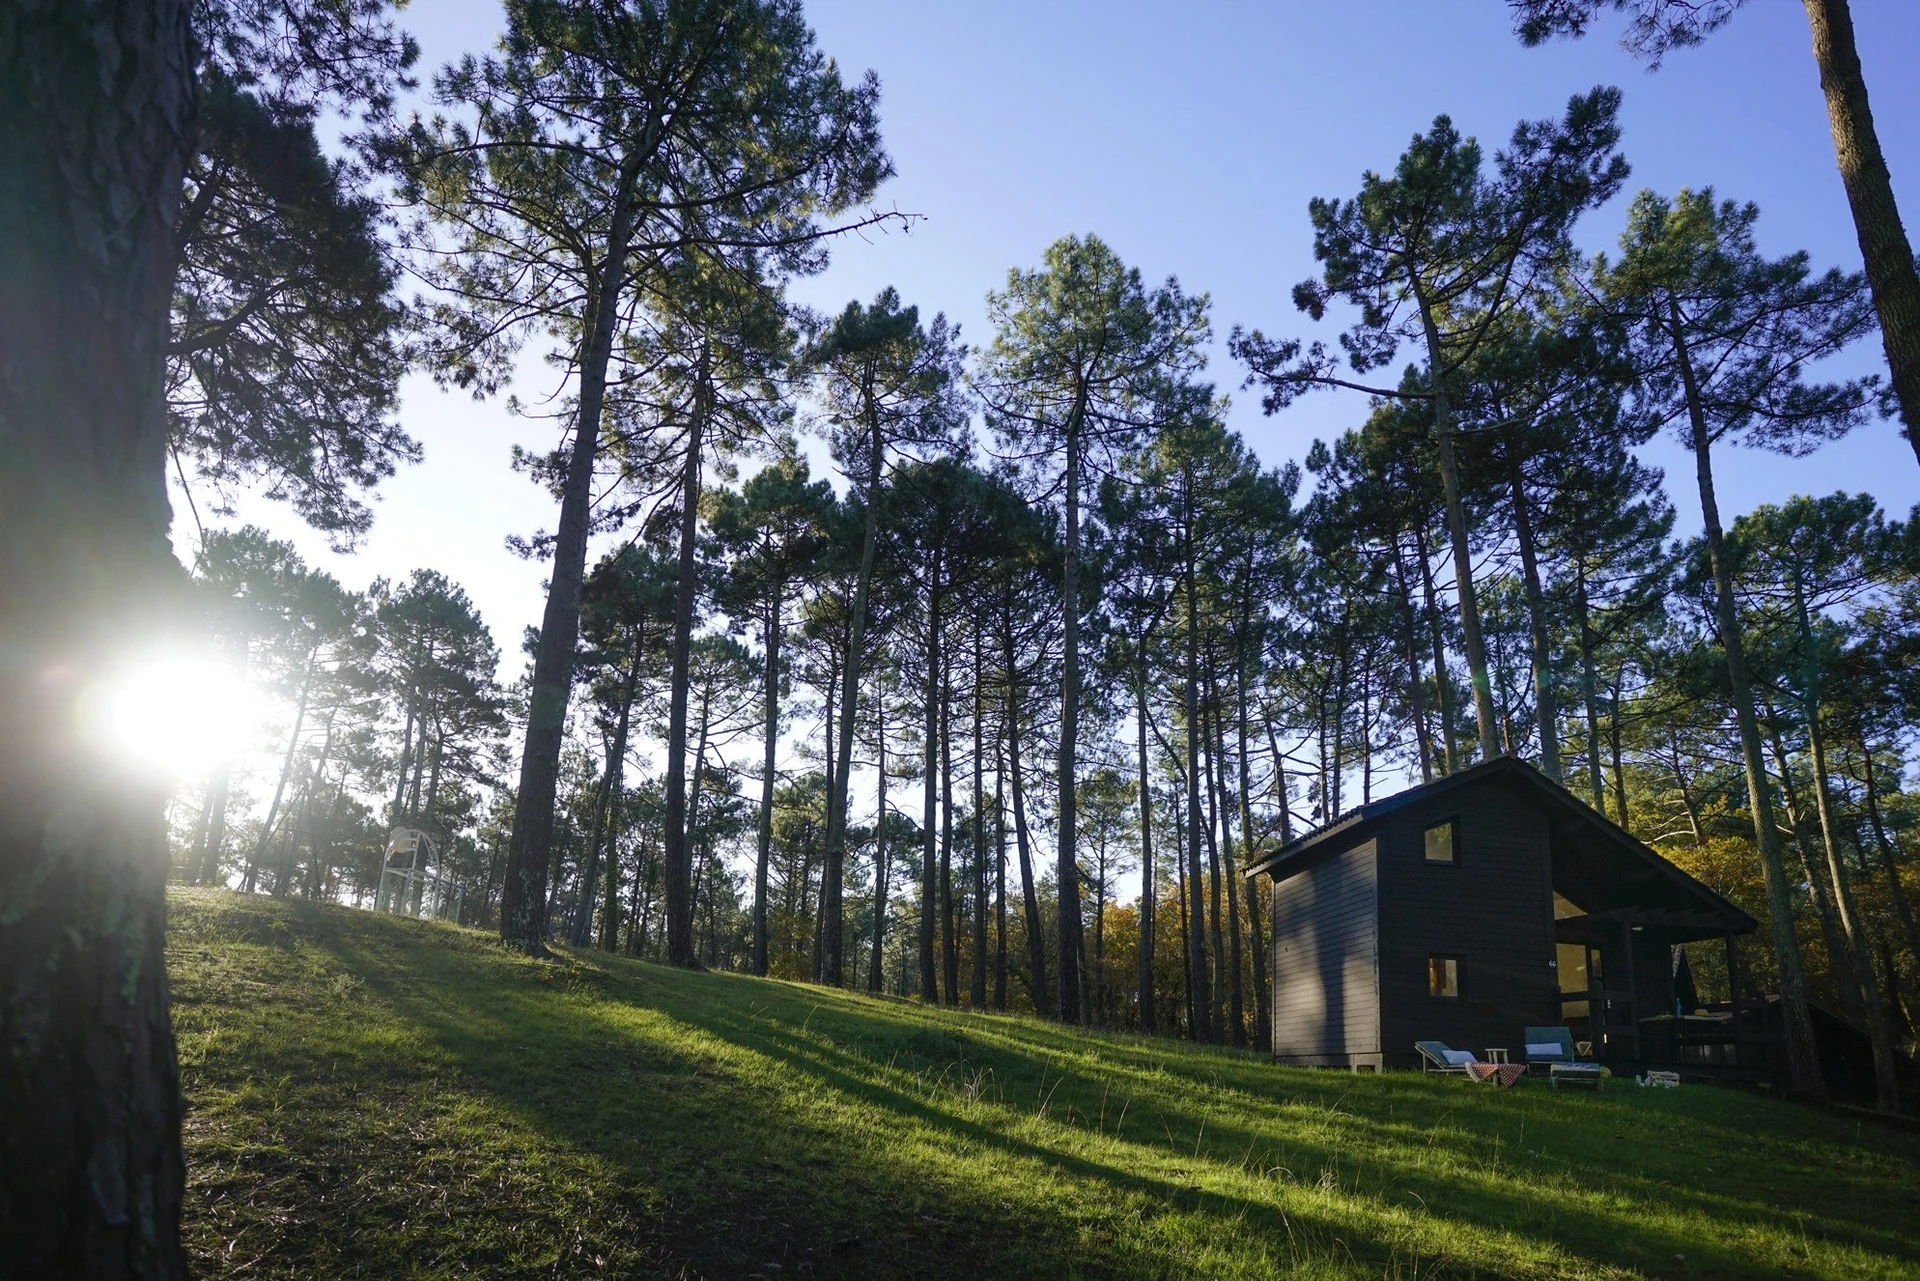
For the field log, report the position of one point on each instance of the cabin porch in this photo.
(1628, 992)
(1647, 960)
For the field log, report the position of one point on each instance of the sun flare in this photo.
(176, 714)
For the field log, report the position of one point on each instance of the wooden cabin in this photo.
(1469, 908)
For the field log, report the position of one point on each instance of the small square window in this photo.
(1441, 845)
(1443, 976)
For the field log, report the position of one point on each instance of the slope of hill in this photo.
(378, 1097)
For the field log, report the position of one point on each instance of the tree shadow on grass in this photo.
(779, 1123)
(1565, 1215)
(1663, 1174)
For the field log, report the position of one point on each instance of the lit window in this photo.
(1443, 977)
(1440, 843)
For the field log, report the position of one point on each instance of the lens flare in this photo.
(178, 715)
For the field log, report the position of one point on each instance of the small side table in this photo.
(1496, 1054)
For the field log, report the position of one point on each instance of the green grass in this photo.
(377, 1097)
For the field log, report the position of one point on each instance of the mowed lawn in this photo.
(376, 1097)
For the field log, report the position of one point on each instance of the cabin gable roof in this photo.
(1618, 872)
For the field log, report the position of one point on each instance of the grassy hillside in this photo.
(377, 1097)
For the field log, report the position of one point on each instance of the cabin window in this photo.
(1444, 973)
(1442, 845)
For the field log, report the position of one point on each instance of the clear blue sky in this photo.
(1190, 137)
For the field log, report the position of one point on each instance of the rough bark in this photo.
(1884, 247)
(96, 118)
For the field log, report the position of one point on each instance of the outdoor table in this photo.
(1586, 1075)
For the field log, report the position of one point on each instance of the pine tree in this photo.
(1721, 337)
(1439, 254)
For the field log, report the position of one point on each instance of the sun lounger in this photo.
(1437, 1056)
(1546, 1046)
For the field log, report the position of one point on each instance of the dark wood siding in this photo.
(1326, 992)
(1493, 907)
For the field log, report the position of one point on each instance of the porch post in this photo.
(1632, 989)
(1733, 1000)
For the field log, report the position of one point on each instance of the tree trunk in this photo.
(1280, 784)
(875, 979)
(1187, 984)
(1589, 685)
(929, 799)
(1840, 961)
(678, 847)
(1036, 943)
(397, 810)
(1236, 962)
(1803, 1058)
(999, 880)
(1545, 709)
(207, 862)
(1218, 1010)
(949, 936)
(96, 123)
(1198, 1024)
(1614, 748)
(283, 880)
(770, 714)
(1442, 686)
(1902, 906)
(600, 843)
(523, 898)
(1409, 629)
(977, 985)
(1886, 1080)
(1443, 433)
(1884, 247)
(581, 924)
(850, 683)
(1068, 870)
(1262, 1011)
(280, 787)
(1145, 958)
